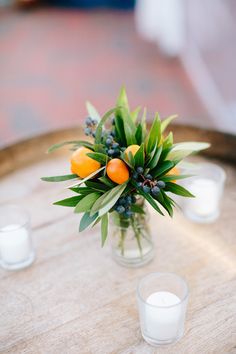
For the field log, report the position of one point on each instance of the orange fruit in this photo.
(81, 164)
(133, 149)
(174, 171)
(117, 171)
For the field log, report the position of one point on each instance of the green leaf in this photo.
(78, 143)
(166, 122)
(139, 134)
(93, 113)
(165, 202)
(107, 200)
(139, 157)
(182, 150)
(81, 190)
(59, 178)
(86, 220)
(154, 135)
(87, 178)
(168, 142)
(69, 202)
(86, 203)
(150, 200)
(104, 228)
(191, 145)
(169, 178)
(98, 156)
(162, 168)
(143, 123)
(107, 181)
(128, 159)
(123, 99)
(99, 148)
(129, 131)
(137, 209)
(128, 125)
(131, 159)
(98, 134)
(101, 187)
(135, 113)
(177, 189)
(154, 160)
(120, 131)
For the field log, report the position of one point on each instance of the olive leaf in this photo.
(177, 189)
(93, 113)
(104, 228)
(77, 143)
(86, 203)
(69, 202)
(87, 178)
(87, 220)
(59, 178)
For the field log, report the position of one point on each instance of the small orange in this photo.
(174, 171)
(133, 149)
(81, 164)
(117, 171)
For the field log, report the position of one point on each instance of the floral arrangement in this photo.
(121, 162)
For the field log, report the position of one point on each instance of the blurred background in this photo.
(174, 56)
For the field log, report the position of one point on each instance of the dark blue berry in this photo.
(155, 191)
(135, 175)
(140, 184)
(128, 200)
(115, 145)
(88, 131)
(122, 201)
(89, 121)
(117, 153)
(161, 184)
(146, 189)
(140, 170)
(111, 152)
(108, 142)
(120, 209)
(128, 213)
(113, 133)
(148, 176)
(94, 121)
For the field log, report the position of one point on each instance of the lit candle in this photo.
(162, 319)
(206, 199)
(15, 244)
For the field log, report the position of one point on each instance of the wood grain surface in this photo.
(75, 299)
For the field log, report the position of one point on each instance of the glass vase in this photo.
(132, 244)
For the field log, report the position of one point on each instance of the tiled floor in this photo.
(52, 60)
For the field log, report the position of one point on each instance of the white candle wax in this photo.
(206, 198)
(162, 323)
(14, 244)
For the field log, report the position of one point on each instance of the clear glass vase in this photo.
(132, 244)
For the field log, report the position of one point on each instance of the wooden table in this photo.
(75, 299)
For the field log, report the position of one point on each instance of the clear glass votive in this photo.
(16, 249)
(162, 302)
(207, 185)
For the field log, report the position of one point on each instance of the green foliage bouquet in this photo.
(123, 166)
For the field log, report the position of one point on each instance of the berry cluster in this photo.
(147, 183)
(111, 146)
(90, 125)
(124, 204)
